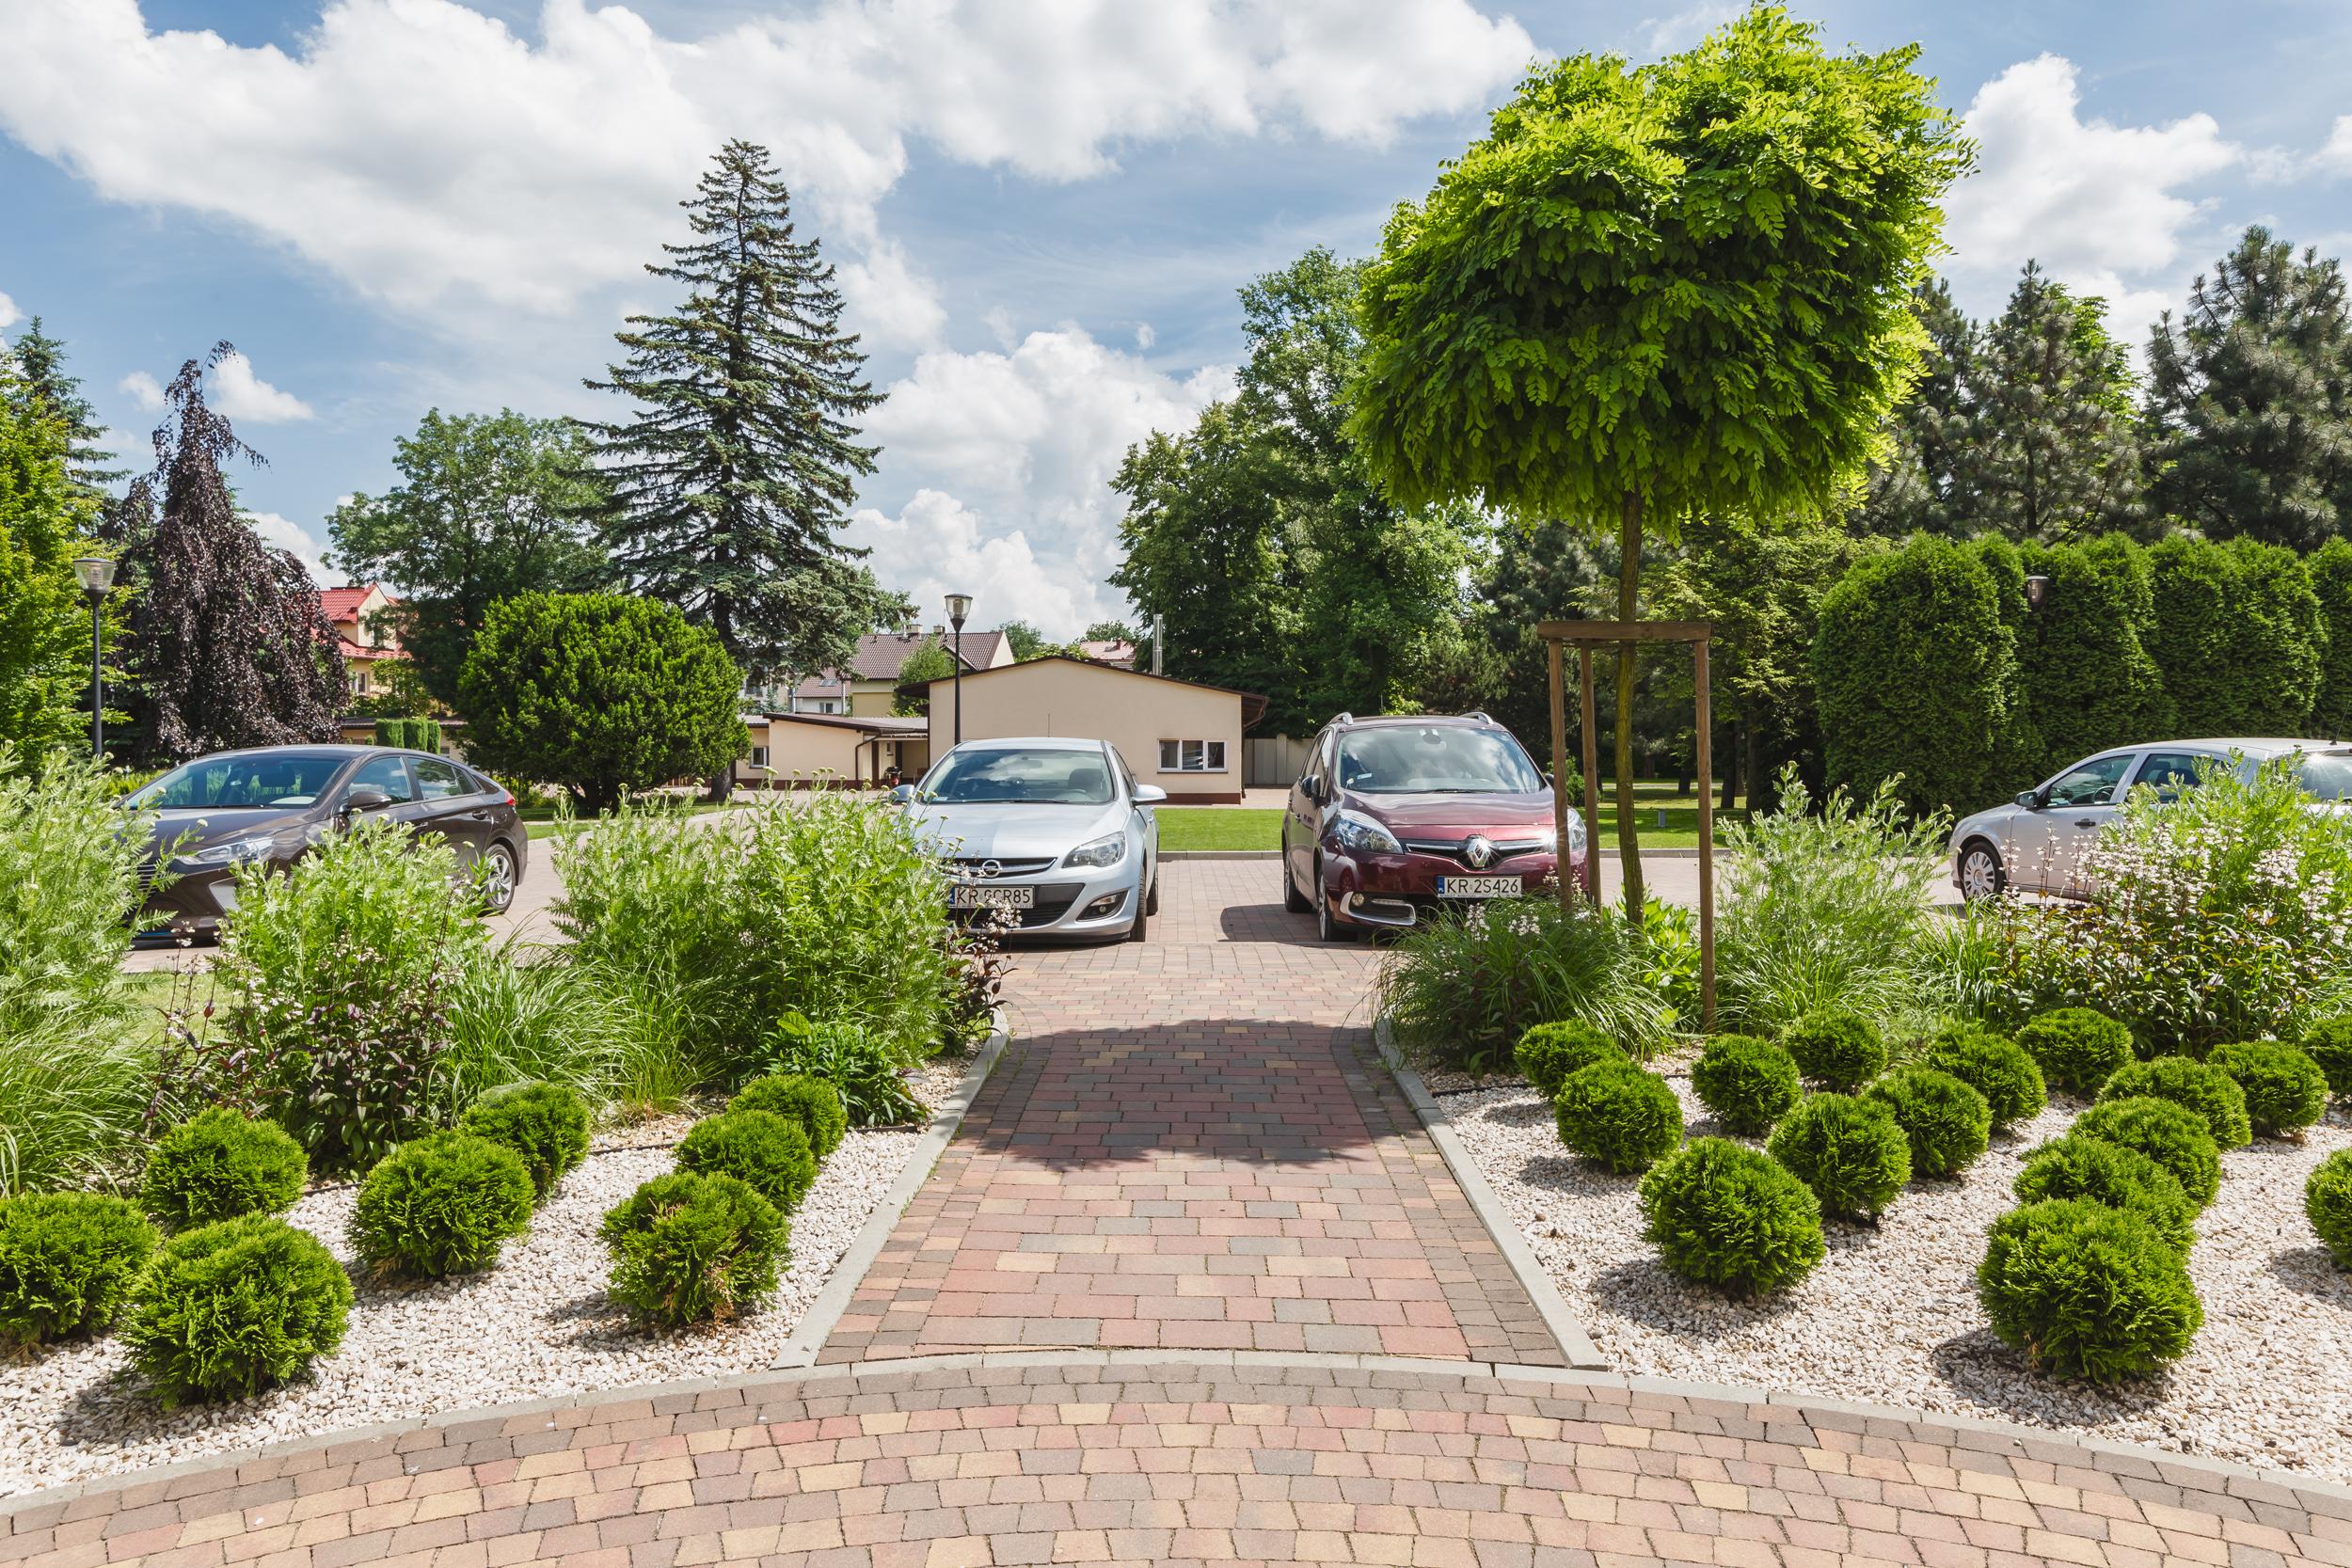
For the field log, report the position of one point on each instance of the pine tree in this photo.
(1913, 489)
(41, 359)
(2250, 399)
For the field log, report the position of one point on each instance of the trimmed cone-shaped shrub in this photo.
(2079, 1048)
(2198, 1086)
(1720, 1213)
(761, 1148)
(2087, 1291)
(1839, 1050)
(2098, 1171)
(547, 1124)
(2286, 1090)
(1851, 1151)
(1618, 1116)
(2000, 1070)
(1748, 1083)
(1548, 1053)
(2329, 1042)
(2173, 1135)
(231, 1309)
(1946, 1124)
(220, 1164)
(812, 1102)
(439, 1205)
(689, 1248)
(2328, 1203)
(68, 1262)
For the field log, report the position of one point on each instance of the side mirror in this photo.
(1312, 789)
(902, 795)
(2030, 800)
(365, 799)
(1149, 795)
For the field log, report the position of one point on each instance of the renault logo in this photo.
(990, 868)
(1477, 850)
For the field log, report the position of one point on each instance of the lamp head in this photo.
(97, 573)
(959, 606)
(2037, 591)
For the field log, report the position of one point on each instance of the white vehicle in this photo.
(1054, 832)
(2035, 844)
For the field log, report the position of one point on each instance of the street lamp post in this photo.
(959, 606)
(97, 574)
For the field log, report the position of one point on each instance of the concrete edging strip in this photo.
(1550, 1305)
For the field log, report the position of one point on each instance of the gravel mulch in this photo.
(1891, 1316)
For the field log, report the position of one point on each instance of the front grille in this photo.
(1451, 849)
(147, 877)
(969, 866)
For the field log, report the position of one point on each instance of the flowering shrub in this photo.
(1460, 991)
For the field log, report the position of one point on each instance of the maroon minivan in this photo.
(1395, 818)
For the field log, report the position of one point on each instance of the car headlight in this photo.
(1359, 834)
(1108, 851)
(236, 852)
(1576, 835)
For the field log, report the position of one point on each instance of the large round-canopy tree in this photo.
(1657, 291)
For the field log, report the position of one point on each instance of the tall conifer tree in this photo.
(41, 361)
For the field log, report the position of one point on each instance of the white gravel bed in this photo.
(1890, 1316)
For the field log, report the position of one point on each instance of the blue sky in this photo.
(1041, 209)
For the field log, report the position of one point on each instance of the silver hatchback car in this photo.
(2035, 844)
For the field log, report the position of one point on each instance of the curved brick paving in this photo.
(1187, 1154)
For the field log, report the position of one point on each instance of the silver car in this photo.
(1054, 832)
(2035, 844)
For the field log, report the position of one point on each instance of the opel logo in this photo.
(1477, 850)
(990, 868)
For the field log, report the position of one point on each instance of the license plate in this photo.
(1478, 887)
(992, 898)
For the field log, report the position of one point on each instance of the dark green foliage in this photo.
(67, 1263)
(2102, 1172)
(1721, 1215)
(812, 1102)
(2079, 1048)
(2331, 569)
(2000, 1070)
(1947, 1123)
(220, 1164)
(2241, 636)
(2329, 1042)
(2086, 678)
(1748, 1083)
(1841, 1051)
(2285, 1090)
(1460, 992)
(767, 1152)
(2173, 1135)
(231, 1309)
(856, 1060)
(1851, 1151)
(441, 1205)
(544, 1123)
(2087, 1291)
(2202, 1087)
(689, 1248)
(2328, 1203)
(1548, 1053)
(56, 394)
(1618, 1116)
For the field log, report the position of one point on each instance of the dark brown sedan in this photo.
(274, 802)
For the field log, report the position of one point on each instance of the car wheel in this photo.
(1152, 900)
(498, 879)
(1981, 875)
(1140, 930)
(1293, 900)
(1327, 927)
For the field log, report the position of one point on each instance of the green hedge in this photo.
(2241, 644)
(2086, 675)
(2330, 567)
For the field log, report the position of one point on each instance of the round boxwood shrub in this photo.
(2173, 1135)
(544, 1123)
(2329, 1042)
(688, 1248)
(1620, 1115)
(220, 1164)
(2101, 1172)
(1749, 1083)
(2198, 1086)
(2328, 1203)
(231, 1309)
(1548, 1053)
(2000, 1070)
(761, 1148)
(439, 1205)
(1946, 1124)
(1837, 1050)
(2286, 1090)
(1850, 1151)
(67, 1263)
(2079, 1048)
(2087, 1291)
(812, 1102)
(1720, 1213)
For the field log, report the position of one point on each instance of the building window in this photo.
(1192, 756)
(760, 756)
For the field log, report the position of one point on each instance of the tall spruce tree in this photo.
(41, 361)
(1912, 490)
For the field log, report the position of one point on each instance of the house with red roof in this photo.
(364, 635)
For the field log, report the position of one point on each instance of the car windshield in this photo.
(1003, 775)
(250, 783)
(2328, 775)
(1435, 759)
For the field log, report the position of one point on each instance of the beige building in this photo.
(867, 685)
(799, 750)
(1183, 738)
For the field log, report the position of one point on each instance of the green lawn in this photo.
(1235, 828)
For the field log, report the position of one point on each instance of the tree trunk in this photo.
(1753, 764)
(721, 785)
(1731, 770)
(1628, 606)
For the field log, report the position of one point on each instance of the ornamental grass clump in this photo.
(761, 1148)
(1851, 1151)
(1548, 1053)
(1721, 1215)
(231, 1309)
(1839, 1050)
(67, 1263)
(441, 1205)
(2000, 1070)
(2328, 1203)
(1618, 1116)
(546, 1124)
(2329, 1042)
(2101, 1172)
(1946, 1124)
(689, 1248)
(2088, 1292)
(2079, 1048)
(220, 1163)
(812, 1102)
(2285, 1090)
(2200, 1087)
(1745, 1082)
(2173, 1135)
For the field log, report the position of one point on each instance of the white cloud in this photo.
(144, 390)
(1145, 337)
(242, 395)
(888, 301)
(1666, 34)
(287, 535)
(9, 315)
(937, 544)
(2336, 155)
